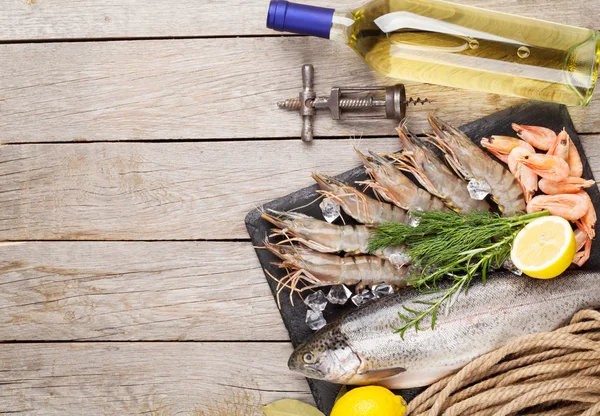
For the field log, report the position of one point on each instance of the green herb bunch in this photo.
(446, 245)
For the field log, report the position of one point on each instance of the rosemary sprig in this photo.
(444, 245)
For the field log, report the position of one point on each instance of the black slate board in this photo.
(548, 115)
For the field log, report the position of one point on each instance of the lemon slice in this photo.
(544, 248)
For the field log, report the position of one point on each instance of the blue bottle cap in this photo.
(298, 18)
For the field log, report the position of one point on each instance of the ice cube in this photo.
(510, 266)
(339, 295)
(414, 220)
(478, 189)
(316, 301)
(330, 209)
(382, 290)
(363, 297)
(315, 320)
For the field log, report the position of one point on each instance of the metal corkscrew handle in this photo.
(307, 98)
(393, 103)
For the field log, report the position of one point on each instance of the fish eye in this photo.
(309, 358)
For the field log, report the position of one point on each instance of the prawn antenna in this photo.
(311, 202)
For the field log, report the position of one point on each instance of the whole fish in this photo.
(361, 348)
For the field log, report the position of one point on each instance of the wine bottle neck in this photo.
(285, 16)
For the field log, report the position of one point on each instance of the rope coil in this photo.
(558, 370)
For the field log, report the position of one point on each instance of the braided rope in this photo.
(558, 372)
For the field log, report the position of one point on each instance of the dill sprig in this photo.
(446, 245)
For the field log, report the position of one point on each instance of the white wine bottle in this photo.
(458, 46)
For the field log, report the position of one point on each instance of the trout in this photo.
(361, 347)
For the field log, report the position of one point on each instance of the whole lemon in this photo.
(369, 401)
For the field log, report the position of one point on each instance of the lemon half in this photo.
(369, 401)
(544, 248)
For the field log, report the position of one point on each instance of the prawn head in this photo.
(550, 167)
(501, 146)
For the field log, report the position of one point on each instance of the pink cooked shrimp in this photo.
(561, 146)
(585, 225)
(547, 166)
(501, 146)
(571, 185)
(571, 207)
(577, 208)
(583, 246)
(527, 178)
(539, 137)
(574, 160)
(588, 221)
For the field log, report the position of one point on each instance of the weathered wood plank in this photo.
(154, 191)
(77, 19)
(145, 378)
(199, 89)
(202, 291)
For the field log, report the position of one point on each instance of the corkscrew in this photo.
(342, 101)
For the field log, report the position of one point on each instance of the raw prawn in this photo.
(470, 162)
(356, 204)
(319, 269)
(434, 175)
(501, 146)
(393, 186)
(541, 138)
(550, 167)
(571, 207)
(320, 235)
(571, 185)
(329, 238)
(527, 178)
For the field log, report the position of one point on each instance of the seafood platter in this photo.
(338, 265)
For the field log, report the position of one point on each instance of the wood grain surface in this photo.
(88, 19)
(148, 123)
(153, 191)
(203, 291)
(156, 191)
(158, 379)
(190, 90)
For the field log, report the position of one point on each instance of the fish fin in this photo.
(418, 378)
(373, 376)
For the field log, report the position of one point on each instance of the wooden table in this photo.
(135, 136)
